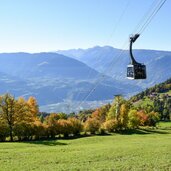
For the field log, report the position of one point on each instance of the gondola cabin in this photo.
(136, 71)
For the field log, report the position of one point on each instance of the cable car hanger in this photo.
(146, 21)
(135, 70)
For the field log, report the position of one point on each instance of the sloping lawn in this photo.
(148, 149)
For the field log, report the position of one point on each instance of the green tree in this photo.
(153, 118)
(134, 120)
(114, 111)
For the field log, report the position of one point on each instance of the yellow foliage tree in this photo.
(33, 106)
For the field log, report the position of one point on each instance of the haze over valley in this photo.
(61, 80)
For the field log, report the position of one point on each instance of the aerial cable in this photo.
(102, 78)
(119, 20)
(158, 7)
(112, 33)
(144, 17)
(151, 17)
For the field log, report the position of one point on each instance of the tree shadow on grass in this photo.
(142, 131)
(47, 142)
(133, 131)
(75, 137)
(151, 131)
(55, 142)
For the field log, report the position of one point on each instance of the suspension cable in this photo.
(152, 16)
(144, 26)
(107, 41)
(102, 78)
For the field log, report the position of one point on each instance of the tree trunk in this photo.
(11, 136)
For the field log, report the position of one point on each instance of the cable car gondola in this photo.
(135, 70)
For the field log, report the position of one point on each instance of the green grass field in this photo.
(148, 149)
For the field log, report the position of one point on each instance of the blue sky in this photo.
(49, 25)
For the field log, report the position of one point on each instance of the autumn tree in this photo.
(114, 110)
(134, 120)
(101, 113)
(111, 125)
(51, 121)
(33, 106)
(92, 125)
(19, 115)
(123, 117)
(7, 112)
(119, 112)
(64, 127)
(153, 118)
(25, 118)
(76, 126)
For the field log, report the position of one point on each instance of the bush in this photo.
(76, 126)
(153, 118)
(92, 125)
(52, 125)
(134, 120)
(64, 127)
(143, 118)
(111, 125)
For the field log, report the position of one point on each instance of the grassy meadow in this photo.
(144, 149)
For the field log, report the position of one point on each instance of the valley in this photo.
(62, 81)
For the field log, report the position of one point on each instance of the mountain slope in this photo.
(43, 64)
(53, 78)
(163, 88)
(57, 79)
(101, 58)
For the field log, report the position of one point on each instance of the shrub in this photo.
(76, 126)
(92, 125)
(52, 128)
(64, 127)
(153, 118)
(143, 117)
(111, 125)
(134, 120)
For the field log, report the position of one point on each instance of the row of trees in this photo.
(122, 115)
(20, 119)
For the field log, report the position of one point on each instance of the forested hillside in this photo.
(159, 89)
(157, 97)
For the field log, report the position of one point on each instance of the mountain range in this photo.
(63, 80)
(113, 62)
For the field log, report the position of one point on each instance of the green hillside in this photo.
(157, 90)
(158, 98)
